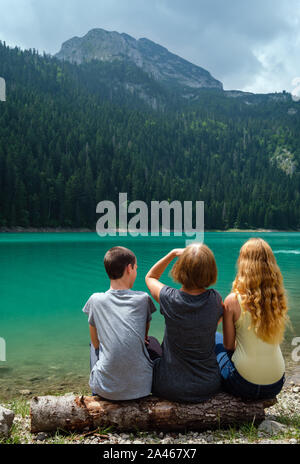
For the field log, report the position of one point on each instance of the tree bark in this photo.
(74, 413)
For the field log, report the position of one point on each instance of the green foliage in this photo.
(20, 406)
(71, 136)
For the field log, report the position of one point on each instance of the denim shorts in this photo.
(235, 384)
(238, 386)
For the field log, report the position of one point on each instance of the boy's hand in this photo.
(147, 340)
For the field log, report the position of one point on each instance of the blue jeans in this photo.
(235, 384)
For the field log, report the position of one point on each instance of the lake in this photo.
(46, 278)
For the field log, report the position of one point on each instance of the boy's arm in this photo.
(94, 337)
(147, 330)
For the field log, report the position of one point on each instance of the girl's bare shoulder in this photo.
(230, 299)
(231, 304)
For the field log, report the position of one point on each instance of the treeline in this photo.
(72, 136)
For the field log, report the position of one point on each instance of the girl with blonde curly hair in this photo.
(255, 315)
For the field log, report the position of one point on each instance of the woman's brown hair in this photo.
(196, 267)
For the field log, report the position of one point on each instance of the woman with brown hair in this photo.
(255, 314)
(188, 369)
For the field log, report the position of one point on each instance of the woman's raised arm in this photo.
(153, 276)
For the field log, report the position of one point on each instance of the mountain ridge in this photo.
(156, 60)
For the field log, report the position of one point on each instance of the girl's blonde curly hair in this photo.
(260, 284)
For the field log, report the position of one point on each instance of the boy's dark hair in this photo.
(116, 260)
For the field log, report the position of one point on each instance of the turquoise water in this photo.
(45, 279)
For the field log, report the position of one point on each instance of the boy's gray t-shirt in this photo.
(124, 369)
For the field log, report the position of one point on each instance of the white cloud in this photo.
(247, 44)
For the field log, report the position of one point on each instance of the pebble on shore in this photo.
(6, 421)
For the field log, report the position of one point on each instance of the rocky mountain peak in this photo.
(154, 59)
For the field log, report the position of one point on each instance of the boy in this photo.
(119, 320)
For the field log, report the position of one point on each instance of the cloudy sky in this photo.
(251, 45)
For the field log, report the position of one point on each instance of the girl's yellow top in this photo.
(255, 360)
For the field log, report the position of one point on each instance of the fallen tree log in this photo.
(74, 413)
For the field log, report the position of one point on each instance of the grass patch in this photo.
(250, 432)
(106, 430)
(61, 438)
(15, 437)
(290, 421)
(20, 407)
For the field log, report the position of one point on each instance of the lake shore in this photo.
(285, 414)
